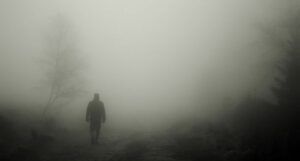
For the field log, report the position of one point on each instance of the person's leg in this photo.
(92, 135)
(98, 132)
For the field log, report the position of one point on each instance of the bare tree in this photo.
(62, 65)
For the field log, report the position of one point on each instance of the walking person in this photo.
(95, 115)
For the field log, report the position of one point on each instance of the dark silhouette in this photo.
(95, 115)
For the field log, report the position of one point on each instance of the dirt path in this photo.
(122, 148)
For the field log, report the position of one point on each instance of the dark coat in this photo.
(95, 112)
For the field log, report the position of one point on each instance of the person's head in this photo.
(96, 96)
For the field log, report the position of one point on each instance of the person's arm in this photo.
(87, 116)
(103, 113)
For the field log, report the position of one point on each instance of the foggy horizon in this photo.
(150, 61)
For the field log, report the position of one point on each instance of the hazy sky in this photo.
(147, 58)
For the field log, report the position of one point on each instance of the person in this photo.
(95, 115)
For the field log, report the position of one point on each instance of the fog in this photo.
(153, 62)
(178, 80)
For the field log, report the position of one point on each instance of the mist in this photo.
(154, 63)
(149, 61)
